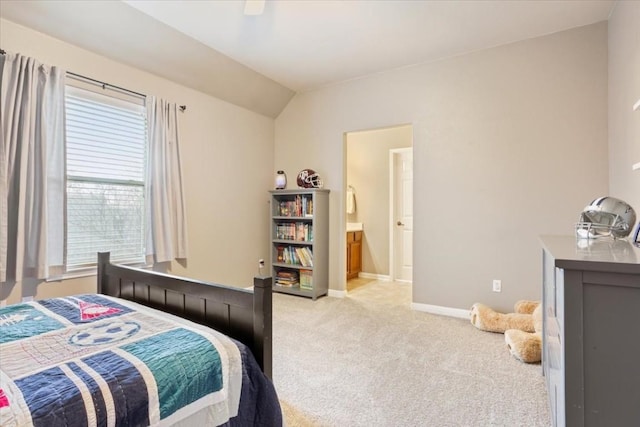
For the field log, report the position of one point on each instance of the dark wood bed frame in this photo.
(242, 314)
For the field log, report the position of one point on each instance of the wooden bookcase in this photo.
(300, 241)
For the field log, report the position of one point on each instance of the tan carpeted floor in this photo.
(369, 360)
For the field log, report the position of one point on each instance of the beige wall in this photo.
(368, 172)
(624, 92)
(509, 143)
(227, 153)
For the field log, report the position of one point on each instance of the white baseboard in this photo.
(337, 294)
(381, 277)
(444, 311)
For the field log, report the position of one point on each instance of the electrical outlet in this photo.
(497, 285)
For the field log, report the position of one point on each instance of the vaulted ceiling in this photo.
(260, 62)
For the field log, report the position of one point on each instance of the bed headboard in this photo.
(242, 314)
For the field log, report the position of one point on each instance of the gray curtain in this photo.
(166, 211)
(31, 169)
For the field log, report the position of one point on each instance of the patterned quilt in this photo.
(97, 360)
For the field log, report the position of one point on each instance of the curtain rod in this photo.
(105, 85)
(108, 85)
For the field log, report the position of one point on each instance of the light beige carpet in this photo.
(369, 359)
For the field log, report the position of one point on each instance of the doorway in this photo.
(371, 202)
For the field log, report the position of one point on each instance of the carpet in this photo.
(368, 359)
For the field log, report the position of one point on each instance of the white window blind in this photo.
(106, 148)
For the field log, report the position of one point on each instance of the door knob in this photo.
(399, 223)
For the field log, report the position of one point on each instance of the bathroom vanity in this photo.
(354, 250)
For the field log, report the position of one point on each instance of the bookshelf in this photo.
(300, 241)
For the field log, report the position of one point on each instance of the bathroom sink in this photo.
(354, 226)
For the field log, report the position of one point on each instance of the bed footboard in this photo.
(242, 314)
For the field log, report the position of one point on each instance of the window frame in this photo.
(134, 102)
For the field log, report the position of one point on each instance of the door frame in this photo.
(392, 210)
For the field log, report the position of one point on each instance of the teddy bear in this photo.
(522, 329)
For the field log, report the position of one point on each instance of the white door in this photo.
(402, 217)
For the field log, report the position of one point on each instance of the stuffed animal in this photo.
(486, 319)
(526, 346)
(522, 329)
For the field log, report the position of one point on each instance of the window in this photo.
(105, 154)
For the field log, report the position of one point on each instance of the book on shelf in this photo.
(299, 206)
(294, 255)
(305, 256)
(287, 278)
(300, 257)
(309, 209)
(298, 231)
(284, 256)
(306, 279)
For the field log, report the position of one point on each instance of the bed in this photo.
(147, 349)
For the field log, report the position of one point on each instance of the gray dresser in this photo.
(591, 331)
